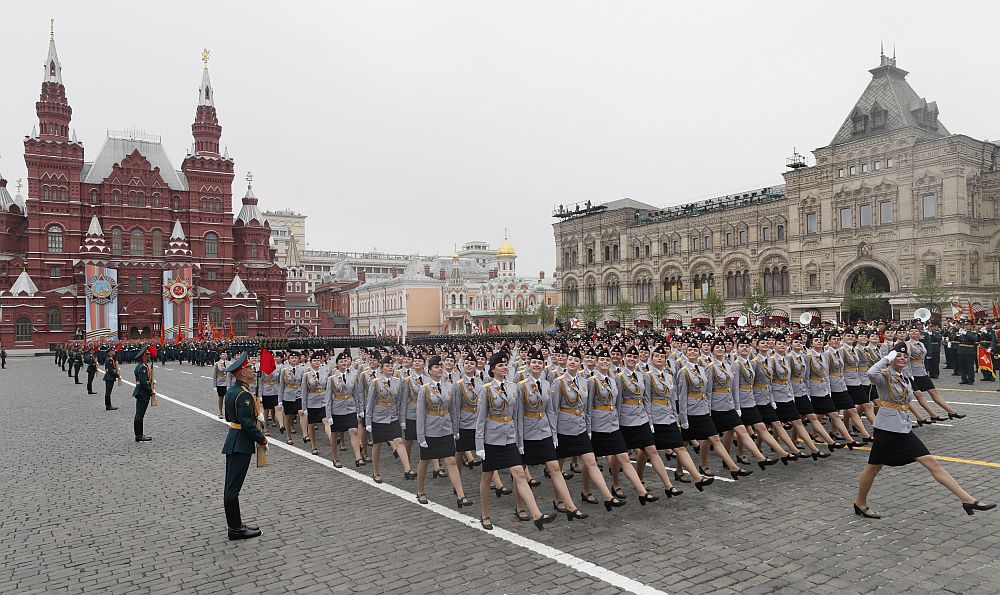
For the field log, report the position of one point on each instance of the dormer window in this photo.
(879, 116)
(860, 124)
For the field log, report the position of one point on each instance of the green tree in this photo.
(757, 303)
(623, 312)
(544, 314)
(592, 313)
(500, 316)
(522, 315)
(565, 312)
(657, 309)
(930, 293)
(712, 305)
(864, 298)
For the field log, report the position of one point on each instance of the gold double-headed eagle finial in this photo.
(204, 56)
(249, 178)
(20, 184)
(52, 29)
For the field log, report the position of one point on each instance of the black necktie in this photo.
(449, 376)
(420, 381)
(473, 380)
(439, 386)
(538, 383)
(634, 377)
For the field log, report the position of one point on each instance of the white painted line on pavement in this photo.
(580, 565)
(183, 372)
(206, 377)
(974, 404)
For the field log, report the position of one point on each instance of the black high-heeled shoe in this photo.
(705, 481)
(409, 474)
(422, 498)
(647, 497)
(613, 503)
(819, 454)
(576, 513)
(543, 520)
(767, 462)
(682, 477)
(359, 463)
(867, 512)
(706, 472)
(618, 493)
(742, 460)
(784, 460)
(923, 422)
(740, 473)
(463, 502)
(559, 507)
(854, 444)
(867, 439)
(434, 474)
(977, 505)
(672, 491)
(940, 418)
(503, 491)
(486, 523)
(956, 415)
(534, 482)
(567, 475)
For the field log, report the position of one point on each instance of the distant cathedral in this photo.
(126, 245)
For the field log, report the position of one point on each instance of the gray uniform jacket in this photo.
(604, 401)
(314, 393)
(219, 376)
(538, 410)
(290, 385)
(762, 381)
(834, 361)
(719, 387)
(385, 403)
(817, 378)
(799, 369)
(744, 376)
(780, 378)
(341, 392)
(570, 396)
(361, 386)
(634, 407)
(495, 424)
(269, 383)
(852, 370)
(867, 356)
(466, 397)
(691, 385)
(435, 415)
(895, 390)
(661, 397)
(918, 353)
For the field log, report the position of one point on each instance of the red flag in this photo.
(231, 333)
(152, 351)
(985, 360)
(267, 364)
(119, 348)
(163, 335)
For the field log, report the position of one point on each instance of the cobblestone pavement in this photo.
(88, 509)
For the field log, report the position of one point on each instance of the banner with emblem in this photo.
(101, 290)
(178, 302)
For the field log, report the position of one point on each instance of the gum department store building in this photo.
(894, 194)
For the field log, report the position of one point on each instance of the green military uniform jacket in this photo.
(241, 414)
(967, 343)
(143, 385)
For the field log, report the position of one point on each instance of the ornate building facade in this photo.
(894, 195)
(129, 211)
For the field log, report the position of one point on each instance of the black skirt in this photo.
(438, 447)
(499, 458)
(859, 394)
(270, 401)
(466, 440)
(667, 436)
(538, 452)
(221, 390)
(637, 436)
(767, 413)
(316, 414)
(804, 405)
(385, 432)
(842, 400)
(411, 430)
(787, 411)
(291, 407)
(573, 446)
(608, 443)
(750, 416)
(343, 423)
(896, 449)
(922, 383)
(823, 405)
(700, 427)
(725, 420)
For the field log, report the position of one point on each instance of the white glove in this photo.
(891, 355)
(684, 426)
(520, 449)
(368, 428)
(260, 418)
(423, 444)
(481, 454)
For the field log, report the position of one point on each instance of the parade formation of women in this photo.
(583, 404)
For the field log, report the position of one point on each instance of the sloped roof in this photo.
(24, 284)
(342, 271)
(237, 288)
(628, 203)
(889, 89)
(117, 149)
(6, 200)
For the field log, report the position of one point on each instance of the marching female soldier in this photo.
(290, 389)
(922, 383)
(437, 422)
(221, 380)
(341, 408)
(466, 394)
(385, 417)
(269, 393)
(782, 386)
(836, 368)
(314, 395)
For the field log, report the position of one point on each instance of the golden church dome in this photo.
(506, 249)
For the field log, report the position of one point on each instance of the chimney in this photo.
(441, 274)
(541, 275)
(361, 276)
(427, 270)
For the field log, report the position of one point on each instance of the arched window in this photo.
(55, 239)
(116, 197)
(672, 287)
(157, 243)
(175, 203)
(572, 293)
(22, 329)
(215, 316)
(642, 289)
(116, 241)
(211, 245)
(701, 283)
(781, 233)
(53, 318)
(137, 243)
(253, 250)
(95, 197)
(240, 325)
(612, 294)
(156, 199)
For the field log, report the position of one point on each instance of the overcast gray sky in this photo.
(412, 126)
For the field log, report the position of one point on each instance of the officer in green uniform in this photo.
(90, 360)
(241, 412)
(968, 340)
(932, 360)
(143, 392)
(986, 336)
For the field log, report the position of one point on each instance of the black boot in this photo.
(237, 530)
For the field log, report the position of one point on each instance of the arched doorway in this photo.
(866, 295)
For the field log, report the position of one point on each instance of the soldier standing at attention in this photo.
(242, 412)
(933, 343)
(968, 341)
(112, 375)
(77, 364)
(143, 391)
(220, 380)
(90, 359)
